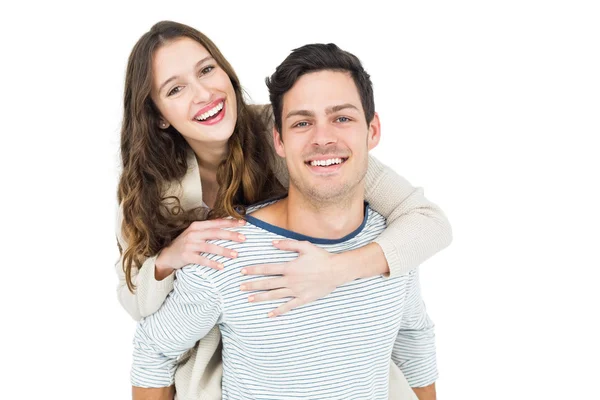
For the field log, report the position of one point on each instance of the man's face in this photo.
(326, 138)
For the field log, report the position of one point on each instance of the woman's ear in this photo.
(162, 124)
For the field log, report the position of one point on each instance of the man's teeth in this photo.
(210, 112)
(326, 163)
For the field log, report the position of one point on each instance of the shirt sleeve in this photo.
(414, 350)
(416, 228)
(190, 311)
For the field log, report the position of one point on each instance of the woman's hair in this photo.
(154, 158)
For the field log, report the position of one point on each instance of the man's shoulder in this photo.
(261, 205)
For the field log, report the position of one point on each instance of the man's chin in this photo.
(328, 193)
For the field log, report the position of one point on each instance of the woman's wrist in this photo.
(365, 262)
(161, 270)
(344, 268)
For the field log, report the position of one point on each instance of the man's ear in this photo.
(374, 132)
(278, 143)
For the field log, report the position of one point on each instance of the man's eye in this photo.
(343, 119)
(301, 124)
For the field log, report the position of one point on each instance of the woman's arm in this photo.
(416, 228)
(154, 280)
(150, 293)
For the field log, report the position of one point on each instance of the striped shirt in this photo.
(337, 347)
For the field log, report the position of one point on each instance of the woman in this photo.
(190, 143)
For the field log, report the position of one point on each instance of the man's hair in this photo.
(314, 58)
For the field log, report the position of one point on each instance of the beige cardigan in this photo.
(417, 229)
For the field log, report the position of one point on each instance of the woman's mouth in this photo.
(212, 115)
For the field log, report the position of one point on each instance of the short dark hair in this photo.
(313, 58)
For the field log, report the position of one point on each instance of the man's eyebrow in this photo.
(333, 109)
(328, 110)
(171, 79)
(303, 113)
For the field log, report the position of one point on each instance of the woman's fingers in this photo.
(285, 307)
(215, 224)
(305, 279)
(210, 248)
(214, 234)
(186, 248)
(263, 284)
(201, 260)
(264, 269)
(299, 246)
(270, 295)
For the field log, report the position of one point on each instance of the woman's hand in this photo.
(186, 248)
(309, 277)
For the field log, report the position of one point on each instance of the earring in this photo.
(163, 125)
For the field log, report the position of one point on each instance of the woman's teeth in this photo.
(326, 163)
(210, 112)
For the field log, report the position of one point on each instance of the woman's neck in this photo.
(209, 157)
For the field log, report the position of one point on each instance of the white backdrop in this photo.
(492, 107)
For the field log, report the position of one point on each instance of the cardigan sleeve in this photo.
(416, 228)
(149, 293)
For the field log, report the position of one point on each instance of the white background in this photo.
(492, 107)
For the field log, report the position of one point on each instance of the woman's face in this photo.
(193, 93)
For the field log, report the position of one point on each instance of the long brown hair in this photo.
(153, 158)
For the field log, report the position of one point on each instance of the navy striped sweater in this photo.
(337, 347)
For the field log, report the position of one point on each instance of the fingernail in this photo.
(244, 271)
(242, 237)
(234, 254)
(275, 241)
(243, 287)
(270, 315)
(220, 266)
(251, 299)
(242, 222)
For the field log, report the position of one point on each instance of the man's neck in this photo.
(330, 220)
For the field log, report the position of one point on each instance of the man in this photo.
(338, 347)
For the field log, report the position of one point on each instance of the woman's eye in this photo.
(207, 69)
(175, 90)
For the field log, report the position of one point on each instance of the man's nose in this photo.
(323, 135)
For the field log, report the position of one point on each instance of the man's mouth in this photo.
(327, 162)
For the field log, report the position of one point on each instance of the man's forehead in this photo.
(321, 91)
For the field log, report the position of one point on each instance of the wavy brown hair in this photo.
(153, 158)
